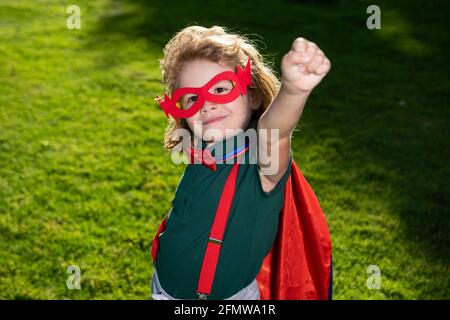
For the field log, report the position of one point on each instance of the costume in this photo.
(299, 263)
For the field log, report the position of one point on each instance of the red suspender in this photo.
(215, 237)
(155, 243)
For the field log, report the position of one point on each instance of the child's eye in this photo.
(220, 90)
(222, 87)
(187, 101)
(192, 99)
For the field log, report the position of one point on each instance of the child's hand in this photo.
(303, 67)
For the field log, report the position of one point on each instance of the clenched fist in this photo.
(303, 67)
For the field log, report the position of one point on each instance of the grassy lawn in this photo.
(84, 180)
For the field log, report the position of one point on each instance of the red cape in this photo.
(298, 266)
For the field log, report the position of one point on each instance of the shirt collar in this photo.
(223, 149)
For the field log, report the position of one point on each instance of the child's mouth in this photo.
(214, 120)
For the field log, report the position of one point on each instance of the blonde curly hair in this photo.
(214, 44)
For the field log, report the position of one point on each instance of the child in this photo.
(225, 217)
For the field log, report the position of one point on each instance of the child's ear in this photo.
(255, 97)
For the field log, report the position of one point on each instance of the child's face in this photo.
(232, 115)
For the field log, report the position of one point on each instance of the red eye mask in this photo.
(225, 87)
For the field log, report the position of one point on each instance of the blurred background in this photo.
(84, 180)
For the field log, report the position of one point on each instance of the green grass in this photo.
(84, 180)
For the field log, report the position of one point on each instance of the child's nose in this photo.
(208, 106)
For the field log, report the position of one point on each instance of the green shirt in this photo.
(249, 235)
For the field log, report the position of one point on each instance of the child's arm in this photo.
(302, 68)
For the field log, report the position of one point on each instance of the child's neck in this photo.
(252, 124)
